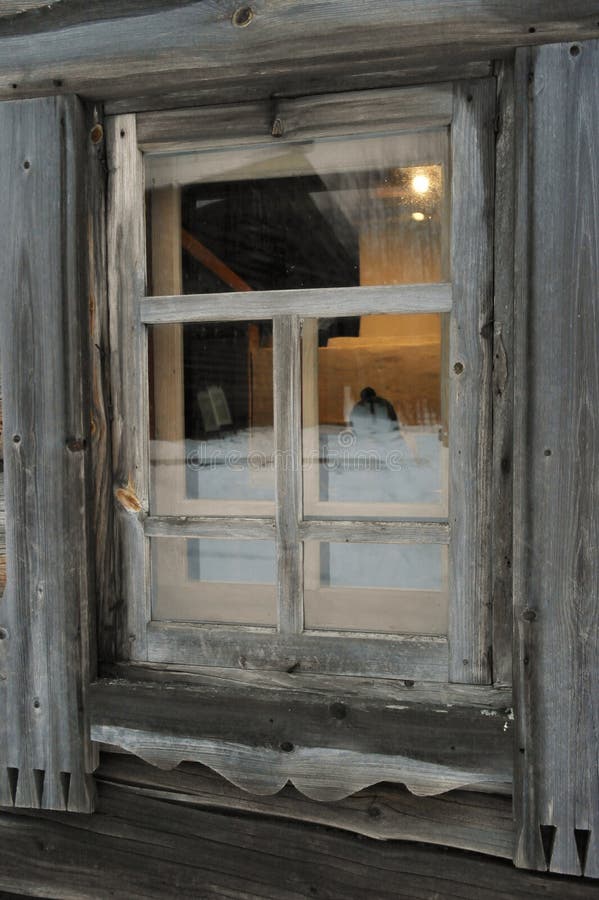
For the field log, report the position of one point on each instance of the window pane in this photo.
(334, 213)
(214, 581)
(375, 425)
(212, 419)
(380, 588)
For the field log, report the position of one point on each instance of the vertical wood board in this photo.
(44, 614)
(557, 490)
(470, 422)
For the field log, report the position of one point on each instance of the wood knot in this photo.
(277, 128)
(242, 17)
(127, 497)
(96, 134)
(76, 445)
(529, 615)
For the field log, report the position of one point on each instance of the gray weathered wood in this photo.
(465, 820)
(352, 301)
(503, 434)
(140, 846)
(357, 654)
(109, 614)
(129, 382)
(303, 118)
(105, 53)
(470, 425)
(287, 380)
(384, 691)
(390, 72)
(373, 532)
(209, 526)
(329, 746)
(46, 614)
(556, 513)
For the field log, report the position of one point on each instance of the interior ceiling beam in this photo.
(106, 50)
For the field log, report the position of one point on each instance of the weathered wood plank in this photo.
(300, 119)
(410, 657)
(556, 516)
(46, 614)
(503, 433)
(99, 352)
(470, 420)
(390, 72)
(129, 382)
(328, 746)
(373, 532)
(104, 54)
(465, 820)
(287, 381)
(229, 307)
(209, 526)
(142, 846)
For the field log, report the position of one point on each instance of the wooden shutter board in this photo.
(44, 732)
(557, 481)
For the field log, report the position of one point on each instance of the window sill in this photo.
(329, 739)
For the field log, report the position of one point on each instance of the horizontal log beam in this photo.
(137, 845)
(106, 50)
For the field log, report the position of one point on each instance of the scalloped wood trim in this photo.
(317, 772)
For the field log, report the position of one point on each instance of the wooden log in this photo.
(142, 846)
(109, 50)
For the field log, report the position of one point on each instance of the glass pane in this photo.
(214, 581)
(212, 419)
(374, 416)
(331, 213)
(380, 588)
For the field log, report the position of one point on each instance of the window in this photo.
(310, 388)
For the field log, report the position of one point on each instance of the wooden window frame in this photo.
(268, 664)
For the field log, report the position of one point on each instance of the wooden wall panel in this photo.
(557, 459)
(45, 754)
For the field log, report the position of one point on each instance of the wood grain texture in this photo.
(108, 619)
(374, 532)
(556, 514)
(303, 118)
(470, 424)
(413, 657)
(328, 746)
(230, 307)
(287, 387)
(503, 368)
(129, 382)
(141, 846)
(46, 613)
(102, 51)
(461, 819)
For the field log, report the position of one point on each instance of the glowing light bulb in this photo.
(418, 216)
(421, 184)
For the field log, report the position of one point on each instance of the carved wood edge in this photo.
(317, 772)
